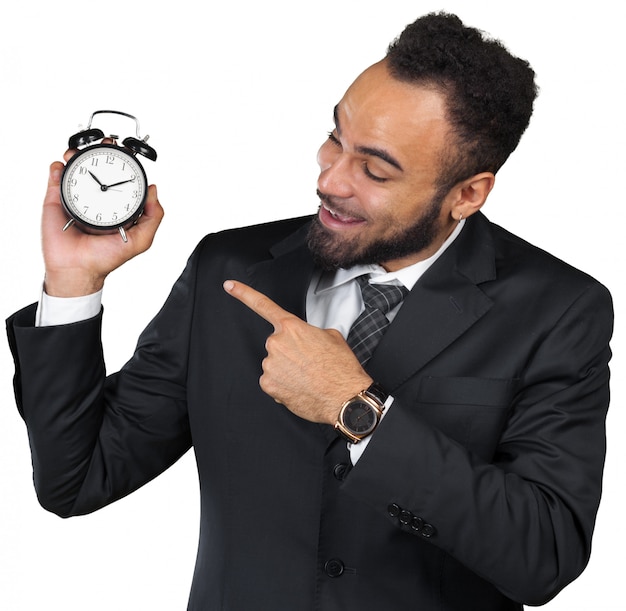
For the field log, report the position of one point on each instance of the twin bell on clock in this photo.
(103, 186)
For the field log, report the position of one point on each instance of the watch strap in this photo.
(378, 393)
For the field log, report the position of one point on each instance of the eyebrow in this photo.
(368, 150)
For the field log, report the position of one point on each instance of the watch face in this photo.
(103, 187)
(359, 418)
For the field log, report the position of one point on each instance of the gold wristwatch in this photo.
(360, 415)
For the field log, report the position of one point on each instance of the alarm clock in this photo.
(104, 186)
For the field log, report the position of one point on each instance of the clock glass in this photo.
(360, 418)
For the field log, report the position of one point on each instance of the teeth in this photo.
(336, 215)
(342, 217)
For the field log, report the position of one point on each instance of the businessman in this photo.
(393, 404)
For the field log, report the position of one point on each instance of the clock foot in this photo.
(68, 224)
(123, 234)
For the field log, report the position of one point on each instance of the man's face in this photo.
(378, 179)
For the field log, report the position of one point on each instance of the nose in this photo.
(334, 178)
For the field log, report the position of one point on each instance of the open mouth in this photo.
(336, 217)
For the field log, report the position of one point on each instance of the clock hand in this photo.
(102, 187)
(95, 178)
(115, 184)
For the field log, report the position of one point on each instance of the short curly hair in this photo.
(489, 92)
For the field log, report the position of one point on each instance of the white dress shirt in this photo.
(333, 301)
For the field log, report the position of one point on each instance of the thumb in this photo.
(52, 199)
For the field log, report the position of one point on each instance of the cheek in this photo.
(389, 208)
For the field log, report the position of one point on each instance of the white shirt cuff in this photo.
(66, 310)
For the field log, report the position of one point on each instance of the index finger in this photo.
(257, 302)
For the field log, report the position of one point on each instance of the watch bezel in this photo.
(372, 398)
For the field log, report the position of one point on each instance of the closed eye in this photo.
(369, 174)
(332, 138)
(335, 141)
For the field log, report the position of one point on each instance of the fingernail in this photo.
(229, 285)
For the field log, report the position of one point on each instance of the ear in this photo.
(471, 194)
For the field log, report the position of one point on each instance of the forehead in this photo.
(406, 119)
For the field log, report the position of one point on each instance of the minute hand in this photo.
(115, 184)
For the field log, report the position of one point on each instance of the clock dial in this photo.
(360, 418)
(104, 187)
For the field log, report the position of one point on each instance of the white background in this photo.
(237, 99)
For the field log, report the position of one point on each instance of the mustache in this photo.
(326, 199)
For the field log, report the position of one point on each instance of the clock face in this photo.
(360, 418)
(103, 187)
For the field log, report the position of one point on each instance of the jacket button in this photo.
(394, 510)
(428, 531)
(340, 471)
(334, 567)
(417, 524)
(405, 517)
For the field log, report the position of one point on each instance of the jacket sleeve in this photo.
(95, 439)
(524, 520)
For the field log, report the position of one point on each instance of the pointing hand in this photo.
(311, 371)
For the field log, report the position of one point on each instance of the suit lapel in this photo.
(443, 305)
(286, 277)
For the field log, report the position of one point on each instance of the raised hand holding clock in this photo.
(102, 209)
(78, 261)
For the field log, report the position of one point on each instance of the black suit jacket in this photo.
(479, 490)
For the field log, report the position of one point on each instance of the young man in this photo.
(475, 420)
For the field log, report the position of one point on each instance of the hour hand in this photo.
(95, 178)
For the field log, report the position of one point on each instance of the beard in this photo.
(332, 252)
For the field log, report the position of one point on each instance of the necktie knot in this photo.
(369, 327)
(383, 297)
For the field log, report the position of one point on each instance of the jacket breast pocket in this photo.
(472, 411)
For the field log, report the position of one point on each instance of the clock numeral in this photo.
(85, 208)
(75, 197)
(94, 161)
(73, 182)
(135, 194)
(127, 207)
(114, 217)
(82, 170)
(110, 159)
(99, 216)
